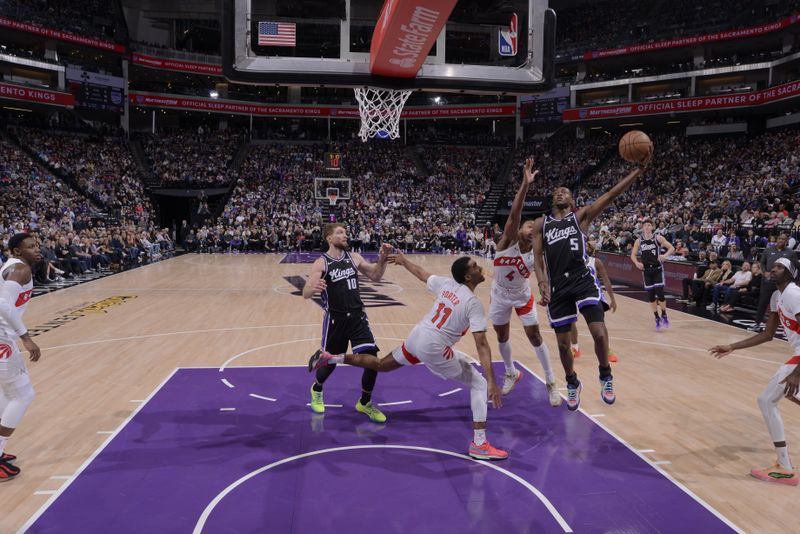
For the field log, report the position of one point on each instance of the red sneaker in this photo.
(776, 473)
(7, 471)
(486, 452)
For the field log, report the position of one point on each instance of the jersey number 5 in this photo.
(573, 243)
(444, 312)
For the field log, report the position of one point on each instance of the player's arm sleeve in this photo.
(435, 283)
(477, 319)
(8, 310)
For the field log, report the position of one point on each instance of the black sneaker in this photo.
(7, 471)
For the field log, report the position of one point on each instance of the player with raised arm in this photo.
(511, 290)
(566, 284)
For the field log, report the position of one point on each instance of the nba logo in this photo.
(507, 39)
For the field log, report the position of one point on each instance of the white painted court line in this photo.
(60, 477)
(91, 458)
(137, 400)
(666, 475)
(262, 397)
(45, 492)
(397, 403)
(662, 462)
(201, 521)
(225, 381)
(227, 409)
(329, 405)
(597, 415)
(105, 432)
(446, 393)
(645, 451)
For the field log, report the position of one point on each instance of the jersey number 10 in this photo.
(352, 283)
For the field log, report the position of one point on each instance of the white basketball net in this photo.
(380, 111)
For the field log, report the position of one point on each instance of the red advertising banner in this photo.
(176, 65)
(288, 110)
(682, 105)
(62, 36)
(621, 270)
(32, 94)
(695, 40)
(404, 34)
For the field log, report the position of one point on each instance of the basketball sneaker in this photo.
(664, 322)
(317, 404)
(776, 473)
(607, 390)
(658, 324)
(486, 452)
(553, 395)
(10, 458)
(7, 471)
(576, 353)
(319, 359)
(510, 380)
(574, 397)
(612, 356)
(374, 414)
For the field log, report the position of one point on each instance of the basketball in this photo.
(635, 146)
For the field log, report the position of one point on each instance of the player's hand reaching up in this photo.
(720, 351)
(528, 172)
(495, 395)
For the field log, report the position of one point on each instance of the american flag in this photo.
(276, 34)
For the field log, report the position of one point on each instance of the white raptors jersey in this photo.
(512, 269)
(20, 304)
(787, 305)
(456, 311)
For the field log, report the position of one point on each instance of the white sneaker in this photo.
(711, 306)
(553, 395)
(510, 380)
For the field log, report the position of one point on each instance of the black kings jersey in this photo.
(649, 249)
(564, 248)
(342, 293)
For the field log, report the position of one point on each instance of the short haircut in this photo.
(647, 221)
(459, 269)
(16, 240)
(329, 229)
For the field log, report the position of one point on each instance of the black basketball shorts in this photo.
(342, 329)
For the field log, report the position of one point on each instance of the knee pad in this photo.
(593, 313)
(651, 295)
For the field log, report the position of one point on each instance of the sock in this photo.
(479, 437)
(575, 346)
(663, 313)
(339, 358)
(366, 396)
(544, 358)
(573, 379)
(656, 314)
(317, 386)
(4, 439)
(605, 372)
(505, 352)
(783, 457)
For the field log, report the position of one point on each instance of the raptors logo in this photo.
(24, 297)
(5, 352)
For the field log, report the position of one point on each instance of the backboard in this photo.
(327, 43)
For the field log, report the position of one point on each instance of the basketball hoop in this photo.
(380, 111)
(332, 198)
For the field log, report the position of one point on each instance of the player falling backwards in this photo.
(455, 312)
(566, 284)
(784, 308)
(511, 290)
(16, 391)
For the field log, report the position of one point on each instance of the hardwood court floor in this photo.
(108, 344)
